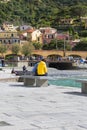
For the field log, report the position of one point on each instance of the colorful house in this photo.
(34, 35)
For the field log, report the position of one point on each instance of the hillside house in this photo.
(4, 1)
(84, 19)
(66, 21)
(25, 27)
(8, 37)
(34, 35)
(8, 27)
(48, 34)
(48, 30)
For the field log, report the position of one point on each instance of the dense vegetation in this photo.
(41, 12)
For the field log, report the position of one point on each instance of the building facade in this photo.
(9, 37)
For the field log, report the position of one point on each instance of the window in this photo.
(9, 41)
(4, 41)
(15, 40)
(38, 39)
(12, 35)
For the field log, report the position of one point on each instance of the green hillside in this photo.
(41, 12)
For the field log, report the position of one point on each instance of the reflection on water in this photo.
(67, 81)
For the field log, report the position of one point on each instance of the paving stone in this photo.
(48, 108)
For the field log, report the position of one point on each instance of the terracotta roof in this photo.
(62, 36)
(30, 30)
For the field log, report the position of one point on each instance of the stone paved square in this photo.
(41, 108)
(46, 108)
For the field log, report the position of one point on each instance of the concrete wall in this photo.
(22, 63)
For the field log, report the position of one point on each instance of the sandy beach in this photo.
(44, 108)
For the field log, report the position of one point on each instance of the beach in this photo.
(41, 108)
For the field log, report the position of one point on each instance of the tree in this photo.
(15, 48)
(78, 10)
(37, 45)
(81, 46)
(3, 49)
(45, 47)
(56, 44)
(49, 46)
(64, 13)
(27, 49)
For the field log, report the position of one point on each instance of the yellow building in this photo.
(9, 37)
(34, 36)
(8, 27)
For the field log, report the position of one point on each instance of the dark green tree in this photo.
(37, 45)
(27, 49)
(81, 46)
(3, 49)
(15, 48)
(78, 11)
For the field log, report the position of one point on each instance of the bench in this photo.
(35, 81)
(84, 85)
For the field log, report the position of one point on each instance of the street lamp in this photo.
(56, 45)
(56, 41)
(64, 49)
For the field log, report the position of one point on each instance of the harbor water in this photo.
(71, 82)
(67, 78)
